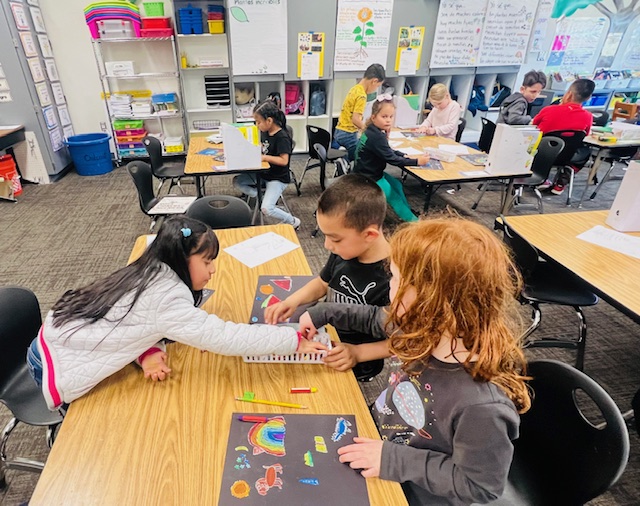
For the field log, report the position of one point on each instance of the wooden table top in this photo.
(205, 164)
(611, 274)
(7, 131)
(452, 171)
(133, 441)
(594, 141)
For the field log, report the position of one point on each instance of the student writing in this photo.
(443, 118)
(94, 331)
(374, 153)
(449, 416)
(513, 110)
(351, 119)
(276, 151)
(350, 215)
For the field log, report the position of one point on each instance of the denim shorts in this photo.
(34, 362)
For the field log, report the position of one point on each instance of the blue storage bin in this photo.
(190, 19)
(90, 153)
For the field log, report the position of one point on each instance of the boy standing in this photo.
(350, 214)
(513, 110)
(351, 118)
(569, 115)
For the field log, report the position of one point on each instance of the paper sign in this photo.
(28, 44)
(43, 94)
(408, 62)
(56, 139)
(52, 70)
(613, 240)
(50, 117)
(4, 85)
(67, 131)
(5, 96)
(45, 46)
(36, 70)
(311, 42)
(63, 112)
(239, 152)
(38, 22)
(260, 249)
(58, 94)
(19, 16)
(310, 66)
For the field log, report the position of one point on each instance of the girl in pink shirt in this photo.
(443, 118)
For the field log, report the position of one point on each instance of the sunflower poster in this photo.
(362, 33)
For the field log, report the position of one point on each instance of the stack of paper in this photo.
(120, 105)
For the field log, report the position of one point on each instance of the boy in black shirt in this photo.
(350, 214)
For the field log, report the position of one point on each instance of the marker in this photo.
(303, 390)
(271, 403)
(254, 419)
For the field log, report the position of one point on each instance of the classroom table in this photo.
(200, 166)
(604, 149)
(133, 441)
(452, 172)
(612, 275)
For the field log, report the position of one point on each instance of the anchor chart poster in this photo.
(290, 459)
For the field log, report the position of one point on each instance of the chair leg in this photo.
(582, 338)
(306, 166)
(572, 174)
(539, 197)
(536, 318)
(483, 189)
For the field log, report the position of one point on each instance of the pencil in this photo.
(272, 403)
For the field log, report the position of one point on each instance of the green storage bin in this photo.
(127, 124)
(153, 9)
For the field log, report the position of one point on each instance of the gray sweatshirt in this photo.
(513, 110)
(447, 438)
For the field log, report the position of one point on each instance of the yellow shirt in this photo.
(356, 101)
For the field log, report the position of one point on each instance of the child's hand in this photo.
(342, 357)
(306, 327)
(306, 346)
(430, 131)
(421, 130)
(155, 366)
(279, 312)
(263, 158)
(423, 160)
(366, 454)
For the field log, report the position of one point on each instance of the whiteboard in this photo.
(458, 33)
(258, 33)
(506, 30)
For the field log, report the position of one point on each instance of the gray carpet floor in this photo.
(69, 233)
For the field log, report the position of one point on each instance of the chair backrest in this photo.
(290, 132)
(559, 448)
(321, 151)
(221, 211)
(600, 118)
(524, 254)
(143, 179)
(548, 150)
(154, 148)
(317, 135)
(572, 141)
(20, 322)
(486, 134)
(461, 124)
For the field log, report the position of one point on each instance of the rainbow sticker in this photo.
(268, 437)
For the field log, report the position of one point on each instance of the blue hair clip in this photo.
(186, 232)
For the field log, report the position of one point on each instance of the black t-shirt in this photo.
(352, 282)
(276, 145)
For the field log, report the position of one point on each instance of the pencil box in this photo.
(295, 358)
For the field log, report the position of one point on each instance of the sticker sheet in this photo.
(290, 459)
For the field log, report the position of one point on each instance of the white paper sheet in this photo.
(411, 151)
(454, 148)
(310, 66)
(408, 62)
(613, 240)
(261, 249)
(474, 173)
(397, 135)
(172, 205)
(239, 153)
(395, 144)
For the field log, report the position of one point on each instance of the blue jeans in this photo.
(392, 189)
(246, 183)
(34, 362)
(348, 140)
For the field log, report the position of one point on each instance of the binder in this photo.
(512, 149)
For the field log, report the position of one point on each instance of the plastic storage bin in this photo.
(173, 145)
(216, 26)
(116, 29)
(156, 32)
(151, 23)
(90, 153)
(128, 124)
(9, 174)
(153, 8)
(190, 19)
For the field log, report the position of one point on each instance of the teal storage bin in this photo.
(90, 153)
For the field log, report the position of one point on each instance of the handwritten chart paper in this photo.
(613, 240)
(290, 459)
(458, 33)
(506, 31)
(362, 33)
(252, 53)
(540, 24)
(574, 46)
(261, 249)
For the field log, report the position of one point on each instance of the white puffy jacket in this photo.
(76, 358)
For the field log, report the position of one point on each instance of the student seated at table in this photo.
(351, 120)
(350, 215)
(568, 115)
(443, 118)
(94, 331)
(448, 418)
(374, 153)
(513, 111)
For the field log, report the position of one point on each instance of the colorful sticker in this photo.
(321, 446)
(268, 437)
(309, 481)
(242, 462)
(240, 489)
(270, 301)
(308, 459)
(285, 284)
(266, 289)
(342, 427)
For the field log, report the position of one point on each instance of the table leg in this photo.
(428, 190)
(259, 198)
(199, 186)
(323, 174)
(592, 173)
(505, 203)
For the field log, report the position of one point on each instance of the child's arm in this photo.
(311, 292)
(155, 365)
(427, 126)
(280, 160)
(451, 124)
(283, 148)
(344, 356)
(516, 113)
(379, 145)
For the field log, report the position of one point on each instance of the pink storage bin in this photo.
(130, 132)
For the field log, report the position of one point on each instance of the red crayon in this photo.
(253, 419)
(303, 390)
